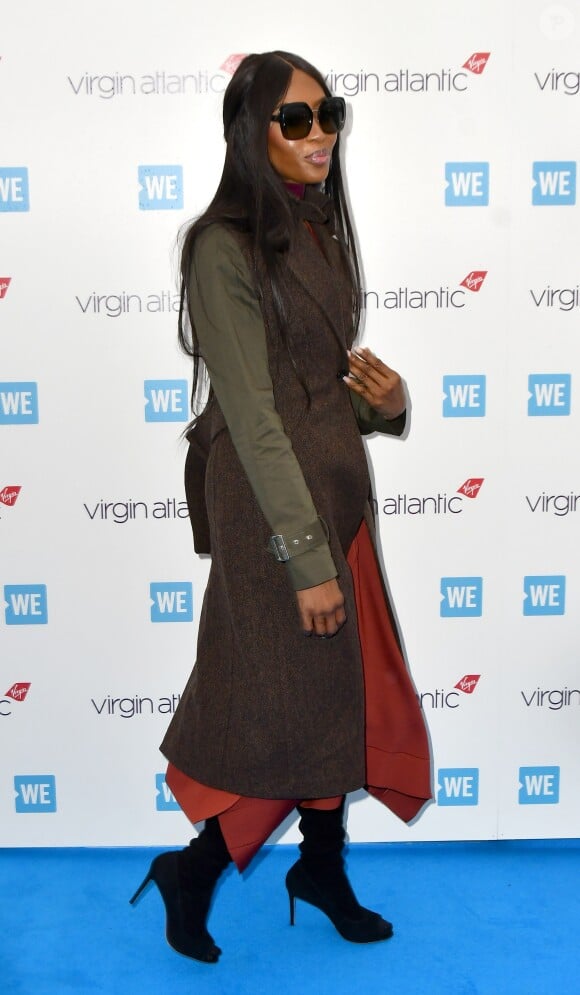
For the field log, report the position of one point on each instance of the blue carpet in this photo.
(470, 919)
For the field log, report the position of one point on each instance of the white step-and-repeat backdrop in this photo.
(462, 157)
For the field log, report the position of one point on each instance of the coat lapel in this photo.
(316, 254)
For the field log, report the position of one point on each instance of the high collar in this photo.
(296, 189)
(314, 206)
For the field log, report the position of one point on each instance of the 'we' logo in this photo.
(18, 403)
(549, 394)
(14, 188)
(166, 400)
(545, 594)
(458, 786)
(26, 604)
(160, 188)
(466, 184)
(461, 597)
(554, 184)
(464, 396)
(171, 601)
(164, 799)
(35, 793)
(539, 786)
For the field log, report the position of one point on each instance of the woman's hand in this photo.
(376, 382)
(321, 609)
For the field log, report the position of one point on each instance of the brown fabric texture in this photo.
(268, 713)
(397, 751)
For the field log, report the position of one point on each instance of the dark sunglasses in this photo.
(296, 120)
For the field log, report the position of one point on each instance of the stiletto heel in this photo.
(186, 880)
(352, 921)
(141, 888)
(184, 912)
(319, 878)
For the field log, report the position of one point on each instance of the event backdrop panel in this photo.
(462, 173)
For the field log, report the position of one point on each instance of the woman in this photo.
(278, 712)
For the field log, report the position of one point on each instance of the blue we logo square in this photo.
(165, 799)
(554, 184)
(18, 403)
(545, 595)
(464, 396)
(26, 604)
(35, 793)
(458, 786)
(166, 400)
(14, 195)
(539, 786)
(160, 188)
(461, 597)
(549, 394)
(466, 184)
(171, 602)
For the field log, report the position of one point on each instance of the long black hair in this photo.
(251, 196)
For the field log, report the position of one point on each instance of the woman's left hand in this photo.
(376, 382)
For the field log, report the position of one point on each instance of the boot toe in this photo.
(367, 929)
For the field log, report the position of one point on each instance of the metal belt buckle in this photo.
(278, 547)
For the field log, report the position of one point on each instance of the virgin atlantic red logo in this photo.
(477, 62)
(474, 280)
(4, 284)
(231, 63)
(468, 683)
(18, 691)
(8, 495)
(471, 487)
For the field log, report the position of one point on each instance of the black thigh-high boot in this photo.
(319, 878)
(186, 880)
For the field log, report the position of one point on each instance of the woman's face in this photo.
(308, 159)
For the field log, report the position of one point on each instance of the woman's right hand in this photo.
(321, 609)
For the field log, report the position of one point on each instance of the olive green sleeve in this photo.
(232, 340)
(370, 420)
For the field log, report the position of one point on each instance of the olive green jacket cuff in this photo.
(370, 420)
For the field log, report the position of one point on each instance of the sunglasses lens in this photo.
(332, 115)
(295, 121)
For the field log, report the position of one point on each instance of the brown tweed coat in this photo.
(267, 712)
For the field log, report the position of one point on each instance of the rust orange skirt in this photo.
(397, 749)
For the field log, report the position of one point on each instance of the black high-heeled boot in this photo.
(186, 880)
(319, 878)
